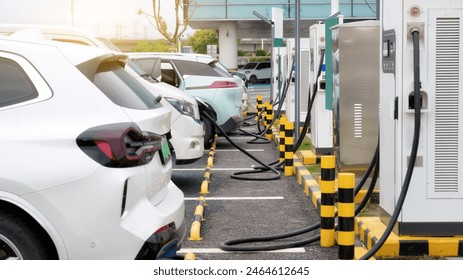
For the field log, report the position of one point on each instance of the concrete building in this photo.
(234, 19)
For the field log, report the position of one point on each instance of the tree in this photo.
(159, 45)
(182, 13)
(201, 39)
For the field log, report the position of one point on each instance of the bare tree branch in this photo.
(182, 13)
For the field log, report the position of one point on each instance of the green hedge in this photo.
(259, 58)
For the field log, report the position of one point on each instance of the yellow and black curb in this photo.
(370, 229)
(207, 172)
(211, 156)
(307, 157)
(195, 230)
(303, 175)
(206, 181)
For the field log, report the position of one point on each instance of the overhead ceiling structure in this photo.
(243, 19)
(208, 14)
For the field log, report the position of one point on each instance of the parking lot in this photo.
(240, 209)
(132, 128)
(129, 157)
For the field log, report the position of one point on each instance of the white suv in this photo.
(85, 166)
(257, 71)
(187, 140)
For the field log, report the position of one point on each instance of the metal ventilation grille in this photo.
(305, 59)
(358, 121)
(447, 104)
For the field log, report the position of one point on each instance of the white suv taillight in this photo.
(223, 84)
(119, 145)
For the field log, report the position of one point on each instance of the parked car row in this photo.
(200, 76)
(89, 141)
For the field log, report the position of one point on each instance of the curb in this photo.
(195, 230)
(308, 157)
(370, 229)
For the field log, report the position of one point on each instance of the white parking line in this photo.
(237, 138)
(214, 169)
(240, 198)
(236, 150)
(220, 251)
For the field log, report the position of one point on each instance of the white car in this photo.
(187, 140)
(257, 71)
(85, 166)
(186, 127)
(200, 76)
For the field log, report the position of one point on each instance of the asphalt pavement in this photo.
(247, 208)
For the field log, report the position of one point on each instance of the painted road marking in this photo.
(220, 251)
(237, 138)
(214, 169)
(236, 150)
(239, 198)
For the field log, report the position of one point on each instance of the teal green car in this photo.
(204, 78)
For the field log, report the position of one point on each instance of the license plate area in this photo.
(165, 153)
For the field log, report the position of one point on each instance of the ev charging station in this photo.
(434, 202)
(280, 61)
(321, 124)
(355, 94)
(304, 83)
(276, 54)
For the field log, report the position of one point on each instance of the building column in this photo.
(228, 40)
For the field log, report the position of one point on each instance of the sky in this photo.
(109, 18)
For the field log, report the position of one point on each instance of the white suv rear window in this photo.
(122, 88)
(15, 85)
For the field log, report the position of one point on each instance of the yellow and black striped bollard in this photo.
(327, 206)
(268, 120)
(346, 216)
(289, 153)
(259, 106)
(283, 121)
